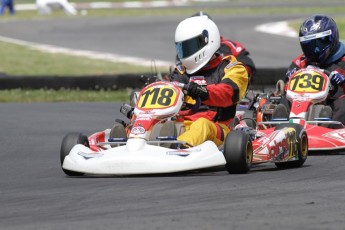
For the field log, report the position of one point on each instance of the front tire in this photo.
(301, 145)
(238, 152)
(68, 142)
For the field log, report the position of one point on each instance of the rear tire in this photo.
(249, 118)
(68, 142)
(280, 88)
(168, 129)
(280, 112)
(302, 146)
(238, 152)
(118, 131)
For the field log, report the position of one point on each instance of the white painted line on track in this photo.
(89, 54)
(105, 5)
(278, 28)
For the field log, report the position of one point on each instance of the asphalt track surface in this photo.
(152, 38)
(35, 194)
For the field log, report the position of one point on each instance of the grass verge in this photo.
(32, 96)
(21, 60)
(25, 61)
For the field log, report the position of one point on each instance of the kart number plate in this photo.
(158, 97)
(307, 82)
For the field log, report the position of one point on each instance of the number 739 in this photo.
(307, 82)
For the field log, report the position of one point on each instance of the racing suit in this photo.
(227, 81)
(336, 62)
(229, 47)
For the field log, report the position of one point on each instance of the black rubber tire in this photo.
(302, 146)
(238, 152)
(281, 112)
(68, 142)
(168, 129)
(280, 86)
(118, 131)
(249, 118)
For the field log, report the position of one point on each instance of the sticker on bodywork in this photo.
(180, 152)
(138, 130)
(286, 148)
(336, 135)
(183, 152)
(88, 156)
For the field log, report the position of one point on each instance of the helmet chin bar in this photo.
(200, 57)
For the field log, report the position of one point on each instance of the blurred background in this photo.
(113, 37)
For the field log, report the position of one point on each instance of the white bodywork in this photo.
(138, 157)
(142, 152)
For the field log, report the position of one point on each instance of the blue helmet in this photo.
(319, 38)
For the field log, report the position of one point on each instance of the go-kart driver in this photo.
(198, 45)
(231, 47)
(319, 40)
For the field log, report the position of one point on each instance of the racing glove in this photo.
(176, 76)
(290, 72)
(337, 78)
(197, 91)
(179, 75)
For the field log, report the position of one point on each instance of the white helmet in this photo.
(197, 39)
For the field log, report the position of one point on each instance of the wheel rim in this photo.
(249, 153)
(304, 146)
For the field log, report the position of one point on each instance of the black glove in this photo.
(197, 91)
(177, 76)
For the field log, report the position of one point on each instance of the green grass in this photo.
(31, 96)
(76, 1)
(214, 11)
(232, 1)
(22, 60)
(194, 7)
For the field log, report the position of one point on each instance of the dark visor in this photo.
(189, 47)
(315, 49)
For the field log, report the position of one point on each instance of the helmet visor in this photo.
(191, 46)
(316, 49)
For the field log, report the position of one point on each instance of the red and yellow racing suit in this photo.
(227, 81)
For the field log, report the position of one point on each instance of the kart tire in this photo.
(118, 131)
(280, 112)
(168, 129)
(238, 152)
(249, 119)
(68, 142)
(280, 88)
(302, 146)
